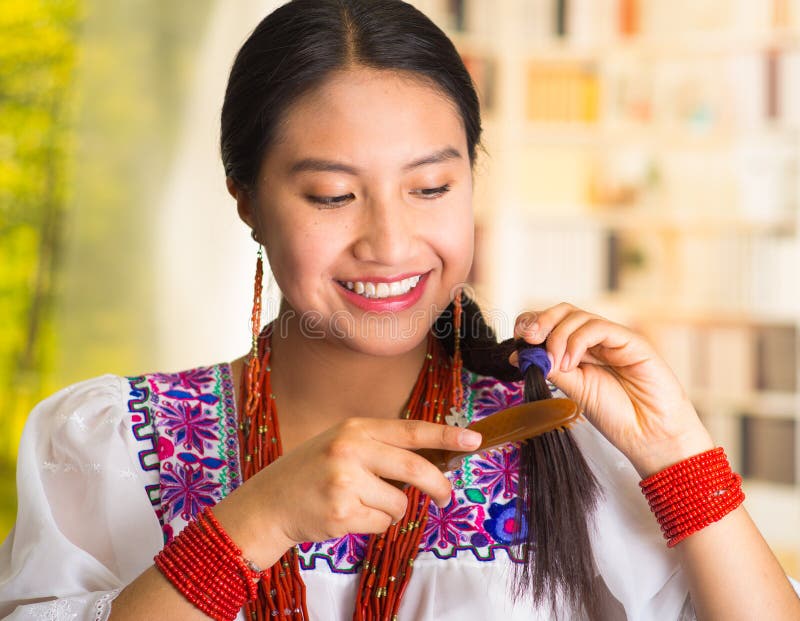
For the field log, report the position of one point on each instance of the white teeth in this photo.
(382, 289)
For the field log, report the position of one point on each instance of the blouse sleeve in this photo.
(85, 527)
(631, 555)
(630, 552)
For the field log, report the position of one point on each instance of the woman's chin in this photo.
(380, 343)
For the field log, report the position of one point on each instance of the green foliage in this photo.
(90, 93)
(37, 62)
(37, 70)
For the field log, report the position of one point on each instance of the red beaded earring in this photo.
(253, 368)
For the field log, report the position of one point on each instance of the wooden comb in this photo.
(514, 424)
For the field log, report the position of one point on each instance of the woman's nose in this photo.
(385, 233)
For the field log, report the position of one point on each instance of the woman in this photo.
(349, 134)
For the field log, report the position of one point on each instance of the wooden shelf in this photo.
(762, 404)
(651, 219)
(605, 135)
(660, 124)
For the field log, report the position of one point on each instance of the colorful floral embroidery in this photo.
(343, 555)
(452, 528)
(186, 489)
(496, 472)
(502, 523)
(188, 422)
(193, 433)
(491, 395)
(144, 431)
(484, 486)
(196, 380)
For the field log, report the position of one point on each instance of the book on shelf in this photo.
(769, 449)
(776, 360)
(559, 92)
(595, 22)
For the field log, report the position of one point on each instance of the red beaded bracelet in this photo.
(204, 564)
(690, 495)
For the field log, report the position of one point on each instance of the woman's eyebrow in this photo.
(442, 155)
(322, 165)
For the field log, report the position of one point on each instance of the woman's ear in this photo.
(244, 204)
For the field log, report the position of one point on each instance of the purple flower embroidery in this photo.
(185, 490)
(189, 424)
(491, 396)
(452, 525)
(497, 472)
(350, 548)
(194, 379)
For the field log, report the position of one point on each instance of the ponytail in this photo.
(557, 491)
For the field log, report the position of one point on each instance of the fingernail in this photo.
(469, 439)
(565, 362)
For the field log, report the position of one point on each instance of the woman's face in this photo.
(364, 207)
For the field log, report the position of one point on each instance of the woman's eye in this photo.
(328, 202)
(434, 192)
(331, 201)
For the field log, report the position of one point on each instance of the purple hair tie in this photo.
(534, 355)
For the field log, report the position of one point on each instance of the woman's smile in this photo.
(385, 295)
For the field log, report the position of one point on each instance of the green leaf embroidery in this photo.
(475, 495)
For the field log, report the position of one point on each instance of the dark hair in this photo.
(291, 52)
(556, 490)
(302, 43)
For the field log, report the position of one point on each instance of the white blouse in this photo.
(86, 527)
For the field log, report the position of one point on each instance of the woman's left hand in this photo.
(624, 388)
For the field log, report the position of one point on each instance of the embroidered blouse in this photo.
(113, 467)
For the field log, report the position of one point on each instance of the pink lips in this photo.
(392, 304)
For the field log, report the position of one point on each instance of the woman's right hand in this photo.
(336, 483)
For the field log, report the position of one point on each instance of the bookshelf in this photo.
(652, 151)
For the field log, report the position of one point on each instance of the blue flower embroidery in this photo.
(502, 523)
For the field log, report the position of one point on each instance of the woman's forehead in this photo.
(364, 114)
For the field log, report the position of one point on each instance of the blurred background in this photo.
(645, 152)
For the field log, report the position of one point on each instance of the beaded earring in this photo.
(254, 366)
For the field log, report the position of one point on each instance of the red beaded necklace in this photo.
(389, 557)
